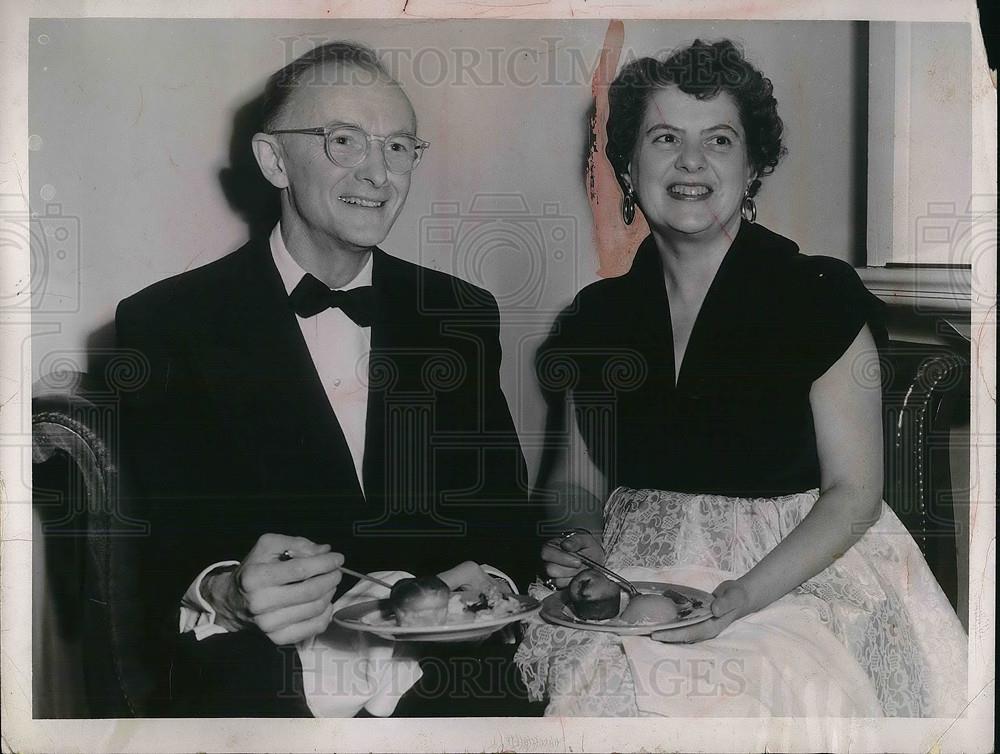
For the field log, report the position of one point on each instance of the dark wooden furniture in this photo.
(89, 541)
(926, 395)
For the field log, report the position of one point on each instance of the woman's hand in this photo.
(730, 602)
(560, 564)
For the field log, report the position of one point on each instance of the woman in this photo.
(727, 389)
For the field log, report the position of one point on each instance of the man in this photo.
(313, 402)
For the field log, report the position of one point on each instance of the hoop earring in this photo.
(749, 208)
(628, 207)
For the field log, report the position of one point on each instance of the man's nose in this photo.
(373, 169)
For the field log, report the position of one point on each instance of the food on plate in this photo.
(593, 596)
(650, 608)
(421, 601)
(497, 605)
(462, 594)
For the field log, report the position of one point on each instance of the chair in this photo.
(85, 611)
(926, 392)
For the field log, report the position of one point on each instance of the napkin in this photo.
(345, 671)
(779, 661)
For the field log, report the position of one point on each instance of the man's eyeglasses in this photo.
(348, 146)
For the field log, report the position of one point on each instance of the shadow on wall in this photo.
(246, 190)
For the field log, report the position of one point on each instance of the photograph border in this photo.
(973, 731)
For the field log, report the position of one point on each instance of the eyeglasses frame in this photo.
(324, 131)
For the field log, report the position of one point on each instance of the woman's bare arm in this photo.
(848, 419)
(847, 413)
(573, 490)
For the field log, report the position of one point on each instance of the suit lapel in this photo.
(408, 410)
(287, 392)
(393, 310)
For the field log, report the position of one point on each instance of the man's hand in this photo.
(288, 600)
(469, 577)
(557, 555)
(730, 602)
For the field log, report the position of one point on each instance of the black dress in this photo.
(738, 420)
(709, 475)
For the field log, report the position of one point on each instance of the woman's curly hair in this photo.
(703, 70)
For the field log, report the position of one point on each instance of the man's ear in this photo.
(270, 158)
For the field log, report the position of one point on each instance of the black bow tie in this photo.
(311, 296)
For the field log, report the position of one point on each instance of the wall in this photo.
(131, 123)
(920, 137)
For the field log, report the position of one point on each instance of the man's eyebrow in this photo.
(337, 123)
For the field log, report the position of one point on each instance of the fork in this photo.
(287, 555)
(624, 583)
(620, 580)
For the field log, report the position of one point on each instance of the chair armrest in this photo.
(925, 387)
(79, 421)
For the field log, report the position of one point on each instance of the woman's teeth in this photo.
(689, 192)
(360, 202)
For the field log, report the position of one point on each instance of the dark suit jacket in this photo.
(232, 435)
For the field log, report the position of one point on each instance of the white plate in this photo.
(353, 617)
(556, 609)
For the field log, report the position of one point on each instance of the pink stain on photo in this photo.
(616, 241)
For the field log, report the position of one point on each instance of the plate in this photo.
(358, 618)
(555, 609)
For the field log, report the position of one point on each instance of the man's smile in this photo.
(359, 201)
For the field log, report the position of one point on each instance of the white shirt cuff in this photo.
(196, 613)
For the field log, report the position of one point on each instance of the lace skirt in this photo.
(871, 635)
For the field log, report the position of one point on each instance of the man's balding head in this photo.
(349, 62)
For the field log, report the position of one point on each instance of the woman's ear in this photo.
(270, 159)
(625, 178)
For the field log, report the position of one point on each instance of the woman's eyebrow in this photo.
(721, 127)
(668, 127)
(663, 127)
